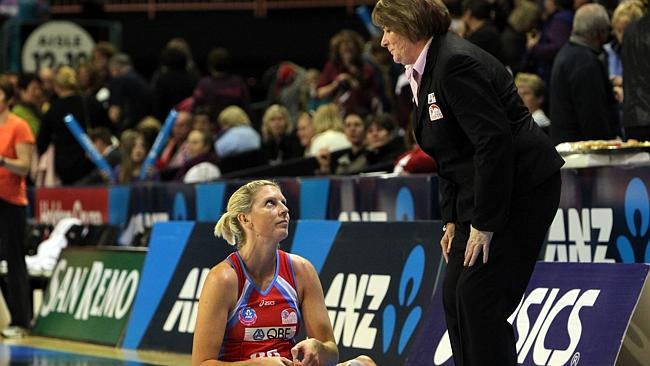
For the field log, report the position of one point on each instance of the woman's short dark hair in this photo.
(173, 59)
(481, 9)
(25, 79)
(414, 19)
(218, 60)
(100, 133)
(384, 121)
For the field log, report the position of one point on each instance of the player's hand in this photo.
(478, 241)
(310, 350)
(447, 238)
(273, 361)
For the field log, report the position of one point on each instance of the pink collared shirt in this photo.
(414, 72)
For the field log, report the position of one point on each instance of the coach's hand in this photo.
(478, 241)
(447, 238)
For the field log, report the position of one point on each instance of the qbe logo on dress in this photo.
(266, 333)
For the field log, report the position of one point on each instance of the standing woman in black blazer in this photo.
(498, 174)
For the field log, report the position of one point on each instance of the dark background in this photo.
(255, 44)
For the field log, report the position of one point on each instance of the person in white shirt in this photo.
(328, 125)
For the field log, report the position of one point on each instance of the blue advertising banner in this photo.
(383, 199)
(170, 326)
(377, 279)
(604, 216)
(212, 198)
(604, 213)
(166, 247)
(375, 305)
(338, 198)
(150, 203)
(135, 207)
(571, 314)
(576, 314)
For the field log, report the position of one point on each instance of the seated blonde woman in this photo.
(532, 91)
(328, 125)
(278, 140)
(238, 135)
(256, 221)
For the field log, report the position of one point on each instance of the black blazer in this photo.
(471, 120)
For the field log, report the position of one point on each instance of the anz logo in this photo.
(354, 323)
(411, 277)
(344, 301)
(637, 219)
(584, 235)
(570, 236)
(404, 210)
(182, 316)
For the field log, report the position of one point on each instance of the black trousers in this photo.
(479, 299)
(15, 284)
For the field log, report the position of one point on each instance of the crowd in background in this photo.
(582, 75)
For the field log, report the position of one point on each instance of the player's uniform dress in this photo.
(264, 322)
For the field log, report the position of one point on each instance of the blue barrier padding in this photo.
(313, 240)
(179, 212)
(314, 195)
(404, 206)
(118, 204)
(168, 241)
(209, 201)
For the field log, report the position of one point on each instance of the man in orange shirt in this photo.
(16, 147)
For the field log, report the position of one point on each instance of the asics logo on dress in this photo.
(267, 303)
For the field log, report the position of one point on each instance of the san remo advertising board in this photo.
(90, 295)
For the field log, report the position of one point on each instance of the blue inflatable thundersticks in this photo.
(159, 144)
(87, 145)
(364, 14)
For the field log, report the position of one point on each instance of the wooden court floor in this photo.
(41, 351)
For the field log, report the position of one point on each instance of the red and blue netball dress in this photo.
(263, 322)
